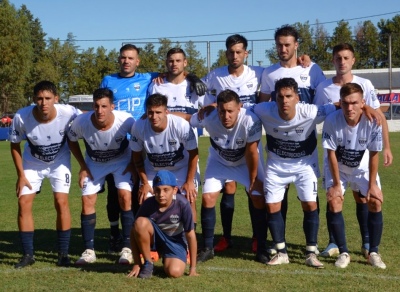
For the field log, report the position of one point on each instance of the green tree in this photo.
(305, 38)
(366, 45)
(15, 58)
(196, 64)
(318, 52)
(342, 34)
(221, 60)
(389, 27)
(149, 61)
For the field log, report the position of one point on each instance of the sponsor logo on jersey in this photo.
(303, 77)
(119, 139)
(299, 130)
(239, 141)
(326, 136)
(34, 138)
(174, 218)
(136, 86)
(172, 142)
(362, 141)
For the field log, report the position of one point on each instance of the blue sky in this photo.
(110, 22)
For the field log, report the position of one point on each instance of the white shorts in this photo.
(305, 181)
(217, 174)
(59, 175)
(357, 182)
(99, 173)
(180, 175)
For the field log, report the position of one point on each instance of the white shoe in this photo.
(375, 260)
(312, 261)
(279, 259)
(88, 257)
(343, 260)
(126, 256)
(330, 250)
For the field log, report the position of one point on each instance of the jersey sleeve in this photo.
(186, 216)
(376, 138)
(189, 138)
(317, 76)
(75, 131)
(195, 122)
(136, 143)
(320, 97)
(254, 127)
(265, 84)
(16, 131)
(328, 134)
(323, 111)
(370, 96)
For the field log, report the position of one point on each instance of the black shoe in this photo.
(146, 271)
(26, 260)
(262, 258)
(63, 260)
(115, 244)
(205, 254)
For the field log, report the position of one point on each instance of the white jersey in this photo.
(180, 99)
(351, 144)
(329, 92)
(246, 85)
(167, 149)
(292, 144)
(103, 146)
(46, 142)
(228, 145)
(307, 80)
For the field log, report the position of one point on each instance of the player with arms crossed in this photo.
(164, 221)
(45, 126)
(353, 144)
(104, 131)
(234, 136)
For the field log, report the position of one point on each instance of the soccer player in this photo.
(104, 131)
(307, 78)
(292, 157)
(181, 99)
(352, 143)
(329, 91)
(130, 90)
(168, 142)
(46, 155)
(233, 154)
(164, 221)
(245, 81)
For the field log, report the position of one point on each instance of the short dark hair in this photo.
(45, 85)
(350, 88)
(286, 30)
(286, 83)
(342, 47)
(129, 47)
(103, 92)
(236, 39)
(176, 51)
(156, 99)
(226, 96)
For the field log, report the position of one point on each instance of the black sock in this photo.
(208, 219)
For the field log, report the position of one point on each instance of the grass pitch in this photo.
(233, 270)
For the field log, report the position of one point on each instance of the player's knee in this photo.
(230, 187)
(374, 205)
(335, 205)
(174, 271)
(141, 223)
(258, 201)
(209, 199)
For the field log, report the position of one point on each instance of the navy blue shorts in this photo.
(168, 247)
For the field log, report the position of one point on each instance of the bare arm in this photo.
(145, 188)
(22, 181)
(387, 152)
(192, 243)
(84, 170)
(335, 190)
(189, 186)
(251, 156)
(373, 190)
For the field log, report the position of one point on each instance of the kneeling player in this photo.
(165, 222)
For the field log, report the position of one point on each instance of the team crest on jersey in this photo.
(62, 133)
(299, 130)
(303, 77)
(136, 86)
(119, 139)
(239, 141)
(326, 136)
(249, 85)
(340, 140)
(362, 141)
(174, 218)
(172, 142)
